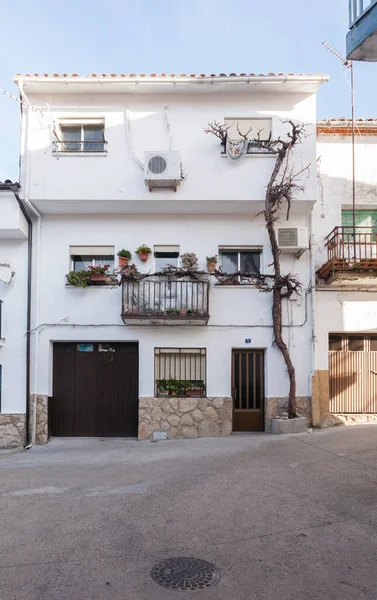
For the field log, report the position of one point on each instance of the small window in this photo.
(165, 256)
(253, 129)
(335, 342)
(180, 371)
(83, 256)
(244, 260)
(356, 343)
(82, 137)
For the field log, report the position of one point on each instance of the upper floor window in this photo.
(165, 256)
(366, 219)
(245, 260)
(254, 130)
(82, 136)
(84, 256)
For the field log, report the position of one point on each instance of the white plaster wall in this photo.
(12, 222)
(236, 313)
(13, 353)
(335, 182)
(118, 177)
(339, 310)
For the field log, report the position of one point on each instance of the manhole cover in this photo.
(185, 574)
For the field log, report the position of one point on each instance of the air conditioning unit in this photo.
(293, 240)
(162, 169)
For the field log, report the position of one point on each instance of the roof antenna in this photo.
(349, 65)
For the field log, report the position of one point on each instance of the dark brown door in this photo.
(248, 390)
(95, 390)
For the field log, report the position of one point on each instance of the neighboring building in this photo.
(361, 39)
(346, 259)
(13, 317)
(100, 351)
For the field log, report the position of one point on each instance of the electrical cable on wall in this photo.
(128, 135)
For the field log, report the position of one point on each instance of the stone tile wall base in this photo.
(12, 430)
(185, 417)
(39, 419)
(276, 406)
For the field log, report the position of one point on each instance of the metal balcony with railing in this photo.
(361, 39)
(349, 252)
(164, 300)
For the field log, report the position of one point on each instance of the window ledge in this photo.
(64, 154)
(107, 286)
(234, 285)
(223, 155)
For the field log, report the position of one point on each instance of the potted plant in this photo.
(173, 312)
(78, 278)
(189, 261)
(123, 257)
(195, 388)
(174, 387)
(143, 251)
(162, 387)
(211, 263)
(98, 273)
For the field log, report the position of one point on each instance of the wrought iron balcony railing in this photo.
(347, 251)
(358, 8)
(77, 146)
(163, 299)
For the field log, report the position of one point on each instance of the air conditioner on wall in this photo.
(292, 240)
(162, 169)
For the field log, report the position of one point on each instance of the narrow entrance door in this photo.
(248, 390)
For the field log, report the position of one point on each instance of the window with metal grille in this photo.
(180, 371)
(83, 256)
(82, 137)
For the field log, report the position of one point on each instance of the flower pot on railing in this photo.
(123, 261)
(211, 266)
(98, 277)
(143, 256)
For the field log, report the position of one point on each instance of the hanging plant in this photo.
(143, 251)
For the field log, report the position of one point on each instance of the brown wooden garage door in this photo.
(95, 389)
(353, 373)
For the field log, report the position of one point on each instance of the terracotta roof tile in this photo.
(192, 75)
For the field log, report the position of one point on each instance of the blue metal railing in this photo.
(358, 8)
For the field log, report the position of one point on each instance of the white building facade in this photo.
(346, 261)
(163, 356)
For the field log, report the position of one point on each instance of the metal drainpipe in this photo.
(14, 187)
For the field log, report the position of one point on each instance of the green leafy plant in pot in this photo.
(123, 257)
(143, 252)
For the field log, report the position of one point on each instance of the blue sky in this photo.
(175, 36)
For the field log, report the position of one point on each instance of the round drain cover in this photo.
(185, 574)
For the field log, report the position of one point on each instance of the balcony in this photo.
(165, 300)
(350, 257)
(361, 41)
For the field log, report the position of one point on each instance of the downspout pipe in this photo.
(14, 187)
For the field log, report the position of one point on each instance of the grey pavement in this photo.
(282, 517)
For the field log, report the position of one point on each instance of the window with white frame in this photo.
(165, 256)
(254, 129)
(245, 260)
(82, 135)
(180, 371)
(84, 256)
